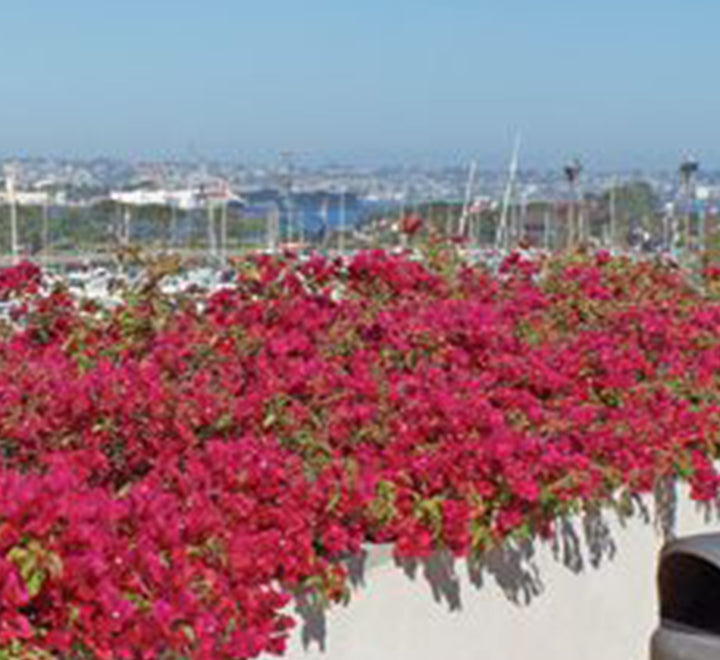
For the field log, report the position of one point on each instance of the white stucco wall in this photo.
(582, 612)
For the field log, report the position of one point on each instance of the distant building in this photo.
(34, 198)
(186, 199)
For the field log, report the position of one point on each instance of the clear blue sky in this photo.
(620, 82)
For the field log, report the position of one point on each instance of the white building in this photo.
(186, 199)
(33, 198)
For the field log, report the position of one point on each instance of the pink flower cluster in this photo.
(172, 474)
(23, 278)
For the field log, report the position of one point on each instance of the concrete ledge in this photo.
(588, 593)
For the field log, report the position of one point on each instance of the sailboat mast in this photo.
(502, 237)
(466, 204)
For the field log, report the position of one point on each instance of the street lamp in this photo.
(688, 170)
(287, 172)
(10, 193)
(572, 173)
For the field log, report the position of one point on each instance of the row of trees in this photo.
(103, 225)
(627, 214)
(619, 216)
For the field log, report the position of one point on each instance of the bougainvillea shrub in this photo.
(176, 469)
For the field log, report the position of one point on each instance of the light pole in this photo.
(212, 238)
(613, 211)
(12, 202)
(688, 169)
(126, 225)
(273, 227)
(341, 237)
(287, 158)
(224, 230)
(572, 173)
(45, 229)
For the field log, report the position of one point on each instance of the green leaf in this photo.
(189, 632)
(269, 420)
(35, 582)
(333, 500)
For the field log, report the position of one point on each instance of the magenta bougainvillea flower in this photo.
(174, 470)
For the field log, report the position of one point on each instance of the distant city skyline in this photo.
(620, 84)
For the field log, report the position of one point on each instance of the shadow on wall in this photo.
(580, 543)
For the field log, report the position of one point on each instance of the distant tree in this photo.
(636, 206)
